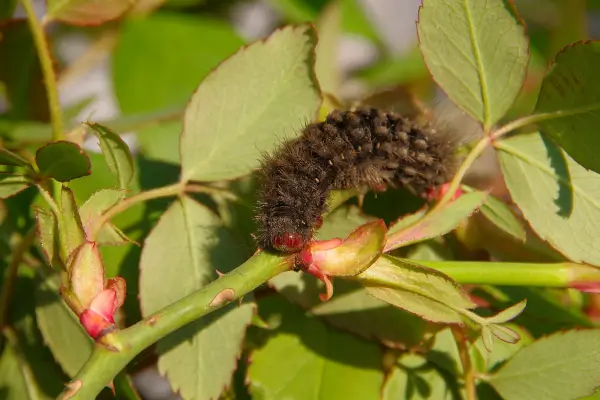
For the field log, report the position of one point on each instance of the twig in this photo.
(465, 359)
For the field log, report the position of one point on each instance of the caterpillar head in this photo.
(287, 234)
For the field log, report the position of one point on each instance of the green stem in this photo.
(17, 256)
(517, 274)
(43, 51)
(483, 144)
(165, 191)
(104, 364)
(465, 359)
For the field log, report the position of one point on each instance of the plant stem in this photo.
(13, 267)
(165, 191)
(43, 51)
(560, 275)
(104, 364)
(482, 145)
(465, 359)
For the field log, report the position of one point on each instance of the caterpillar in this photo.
(359, 148)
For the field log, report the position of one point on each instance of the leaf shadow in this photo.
(558, 162)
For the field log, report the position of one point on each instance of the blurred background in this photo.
(136, 73)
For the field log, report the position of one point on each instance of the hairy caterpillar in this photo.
(350, 149)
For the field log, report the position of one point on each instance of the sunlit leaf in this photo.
(117, 154)
(47, 232)
(93, 208)
(565, 365)
(571, 94)
(70, 232)
(264, 93)
(327, 64)
(557, 196)
(477, 52)
(417, 289)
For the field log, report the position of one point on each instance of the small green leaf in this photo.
(504, 333)
(86, 273)
(87, 12)
(499, 214)
(303, 359)
(264, 93)
(570, 93)
(508, 314)
(190, 240)
(70, 231)
(11, 185)
(60, 327)
(422, 226)
(565, 365)
(9, 158)
(557, 196)
(62, 161)
(487, 337)
(47, 228)
(117, 154)
(477, 51)
(417, 289)
(93, 208)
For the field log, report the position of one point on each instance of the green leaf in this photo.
(423, 226)
(87, 12)
(13, 381)
(326, 64)
(417, 289)
(161, 142)
(570, 93)
(60, 328)
(261, 95)
(412, 378)
(70, 230)
(477, 52)
(9, 158)
(305, 360)
(62, 161)
(565, 365)
(93, 208)
(556, 195)
(47, 229)
(11, 184)
(499, 214)
(508, 314)
(116, 152)
(175, 61)
(190, 241)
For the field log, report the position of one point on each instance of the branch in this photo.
(465, 359)
(561, 275)
(43, 51)
(104, 364)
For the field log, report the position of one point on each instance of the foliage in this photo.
(117, 258)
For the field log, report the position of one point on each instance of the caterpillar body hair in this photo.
(365, 147)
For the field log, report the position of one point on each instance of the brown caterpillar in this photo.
(350, 149)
